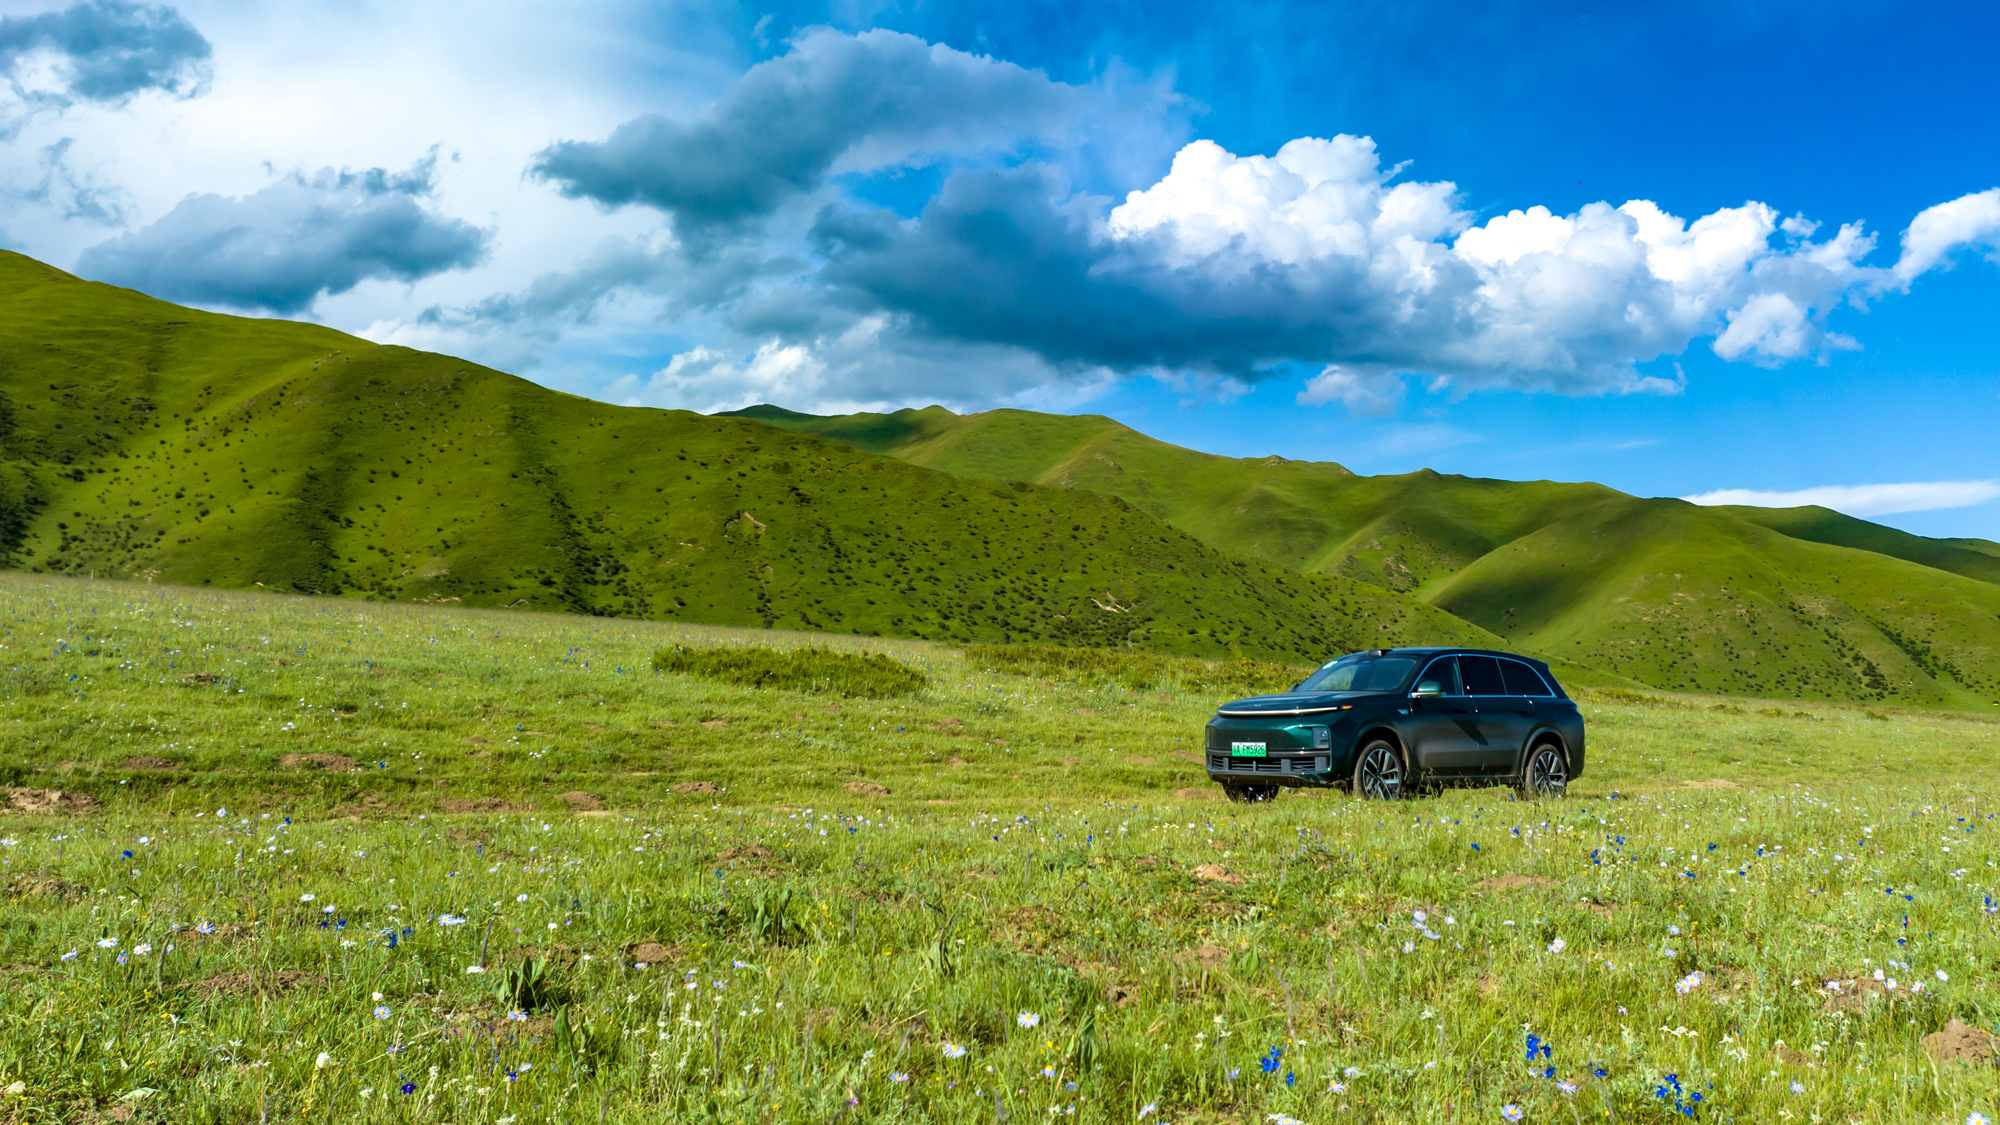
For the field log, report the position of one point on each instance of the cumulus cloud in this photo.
(1314, 255)
(1863, 499)
(833, 104)
(283, 247)
(102, 51)
(1936, 232)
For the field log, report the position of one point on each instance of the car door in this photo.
(1504, 719)
(1444, 730)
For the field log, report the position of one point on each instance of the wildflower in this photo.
(326, 909)
(1667, 953)
(1352, 1072)
(450, 920)
(1941, 975)
(518, 1016)
(1337, 1088)
(1511, 1112)
(1269, 1063)
(323, 1061)
(1048, 1072)
(377, 998)
(107, 943)
(381, 1010)
(409, 1088)
(953, 1051)
(475, 969)
(1688, 983)
(1566, 1086)
(141, 949)
(1148, 1110)
(1409, 947)
(898, 1077)
(307, 897)
(205, 927)
(124, 957)
(520, 898)
(1798, 1087)
(1028, 1019)
(1558, 945)
(1975, 1118)
(70, 956)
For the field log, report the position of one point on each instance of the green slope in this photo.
(1750, 601)
(1974, 558)
(140, 439)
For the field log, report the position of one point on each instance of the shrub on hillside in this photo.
(861, 675)
(1138, 670)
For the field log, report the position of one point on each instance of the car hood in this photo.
(1295, 703)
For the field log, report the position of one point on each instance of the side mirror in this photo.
(1429, 689)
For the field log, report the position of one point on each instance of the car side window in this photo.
(1523, 680)
(1444, 671)
(1482, 675)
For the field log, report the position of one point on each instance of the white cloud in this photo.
(1361, 392)
(1863, 499)
(1970, 220)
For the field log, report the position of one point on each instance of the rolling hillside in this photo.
(141, 439)
(1802, 602)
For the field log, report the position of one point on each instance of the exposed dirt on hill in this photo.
(150, 762)
(50, 801)
(331, 763)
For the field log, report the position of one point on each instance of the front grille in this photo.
(1223, 763)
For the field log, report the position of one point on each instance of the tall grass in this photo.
(862, 675)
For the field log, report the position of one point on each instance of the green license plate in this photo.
(1246, 750)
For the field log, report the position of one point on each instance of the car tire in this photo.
(1380, 773)
(1248, 793)
(1546, 773)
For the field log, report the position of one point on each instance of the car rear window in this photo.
(1354, 673)
(1482, 675)
(1523, 680)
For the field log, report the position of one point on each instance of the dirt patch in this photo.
(955, 760)
(477, 741)
(1215, 873)
(651, 954)
(1191, 756)
(1601, 909)
(1856, 993)
(753, 851)
(697, 788)
(1487, 986)
(50, 801)
(476, 805)
(244, 984)
(866, 789)
(717, 724)
(1711, 783)
(150, 762)
(1791, 1057)
(1207, 956)
(1148, 861)
(1514, 882)
(1199, 793)
(1960, 1042)
(1140, 760)
(331, 763)
(43, 886)
(200, 678)
(581, 801)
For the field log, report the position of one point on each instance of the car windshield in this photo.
(1361, 673)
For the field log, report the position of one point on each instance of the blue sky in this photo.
(867, 205)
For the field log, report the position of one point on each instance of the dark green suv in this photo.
(1384, 722)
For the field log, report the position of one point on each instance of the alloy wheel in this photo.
(1381, 774)
(1548, 774)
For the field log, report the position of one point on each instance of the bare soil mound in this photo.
(50, 801)
(697, 788)
(582, 801)
(1215, 873)
(243, 984)
(650, 954)
(331, 763)
(1960, 1042)
(866, 789)
(150, 762)
(1514, 882)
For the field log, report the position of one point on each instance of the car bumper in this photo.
(1298, 754)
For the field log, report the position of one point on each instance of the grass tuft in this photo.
(823, 671)
(1137, 671)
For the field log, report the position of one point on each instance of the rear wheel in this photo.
(1378, 772)
(1547, 774)
(1246, 792)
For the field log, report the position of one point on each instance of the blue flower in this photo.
(409, 1087)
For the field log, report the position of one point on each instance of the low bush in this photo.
(1137, 670)
(868, 675)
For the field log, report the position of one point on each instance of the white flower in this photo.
(1028, 1019)
(1352, 1072)
(1511, 1112)
(898, 1077)
(518, 1016)
(1148, 1110)
(1558, 945)
(1688, 983)
(306, 898)
(953, 1051)
(377, 998)
(1941, 975)
(1409, 947)
(520, 898)
(70, 956)
(107, 943)
(141, 949)
(326, 909)
(450, 920)
(323, 1061)
(381, 1010)
(1975, 1118)
(475, 969)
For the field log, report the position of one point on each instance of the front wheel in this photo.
(1547, 774)
(1378, 772)
(1247, 793)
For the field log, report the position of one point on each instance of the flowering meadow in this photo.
(277, 859)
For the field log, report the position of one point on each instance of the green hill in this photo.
(141, 439)
(1803, 602)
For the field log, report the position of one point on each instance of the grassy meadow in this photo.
(276, 858)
